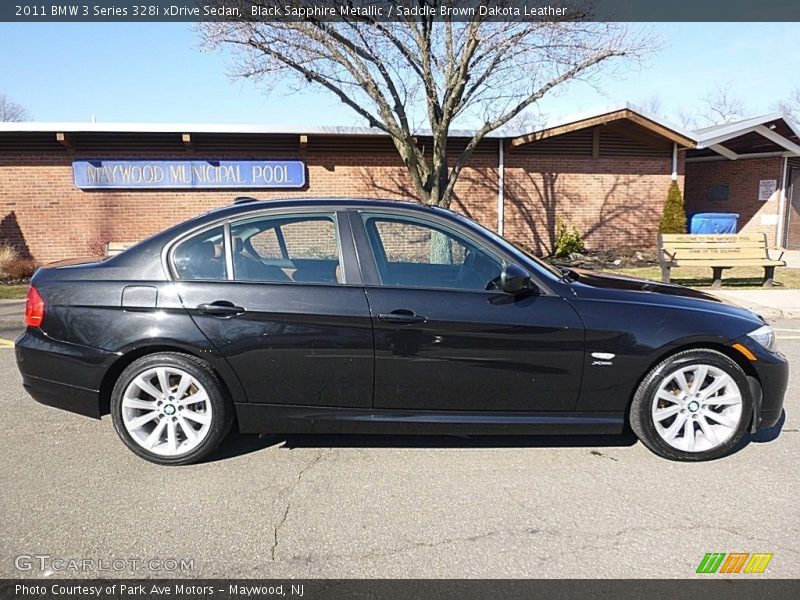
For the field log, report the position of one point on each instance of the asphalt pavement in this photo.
(355, 506)
(11, 317)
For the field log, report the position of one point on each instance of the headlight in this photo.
(765, 336)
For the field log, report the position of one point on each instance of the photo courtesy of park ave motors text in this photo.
(374, 303)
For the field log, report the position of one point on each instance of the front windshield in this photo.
(510, 246)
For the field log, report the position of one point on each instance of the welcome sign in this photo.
(181, 174)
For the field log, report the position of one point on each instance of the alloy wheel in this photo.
(697, 408)
(166, 411)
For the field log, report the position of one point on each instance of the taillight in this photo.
(34, 308)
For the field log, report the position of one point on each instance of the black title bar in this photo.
(710, 588)
(396, 10)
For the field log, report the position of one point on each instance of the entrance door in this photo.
(793, 228)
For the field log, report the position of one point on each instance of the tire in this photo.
(192, 419)
(691, 427)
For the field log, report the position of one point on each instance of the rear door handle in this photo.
(402, 317)
(220, 308)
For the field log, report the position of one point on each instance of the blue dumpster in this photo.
(713, 223)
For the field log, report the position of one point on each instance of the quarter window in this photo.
(287, 248)
(411, 253)
(202, 257)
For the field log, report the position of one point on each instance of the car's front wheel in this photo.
(170, 408)
(693, 406)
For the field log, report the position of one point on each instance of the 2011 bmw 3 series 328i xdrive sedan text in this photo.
(337, 315)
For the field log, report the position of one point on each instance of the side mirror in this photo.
(514, 279)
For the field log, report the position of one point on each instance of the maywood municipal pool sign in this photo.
(197, 174)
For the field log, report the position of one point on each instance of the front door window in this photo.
(417, 254)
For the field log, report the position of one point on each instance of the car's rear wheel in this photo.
(693, 406)
(170, 408)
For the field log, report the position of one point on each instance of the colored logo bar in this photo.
(734, 562)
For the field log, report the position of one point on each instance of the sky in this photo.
(157, 73)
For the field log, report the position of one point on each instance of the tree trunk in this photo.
(441, 249)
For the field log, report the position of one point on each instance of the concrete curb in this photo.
(768, 311)
(776, 313)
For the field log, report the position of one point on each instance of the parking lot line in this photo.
(6, 343)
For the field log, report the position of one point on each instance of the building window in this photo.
(717, 193)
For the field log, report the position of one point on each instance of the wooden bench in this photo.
(719, 252)
(113, 248)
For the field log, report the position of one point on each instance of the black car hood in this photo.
(619, 282)
(590, 284)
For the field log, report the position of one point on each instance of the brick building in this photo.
(751, 168)
(607, 174)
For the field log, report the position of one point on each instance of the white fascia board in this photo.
(740, 157)
(727, 153)
(715, 131)
(711, 135)
(724, 137)
(778, 139)
(72, 127)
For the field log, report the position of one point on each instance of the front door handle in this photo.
(402, 317)
(220, 308)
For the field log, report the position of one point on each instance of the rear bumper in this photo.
(73, 399)
(66, 376)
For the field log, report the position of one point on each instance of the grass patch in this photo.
(700, 277)
(13, 292)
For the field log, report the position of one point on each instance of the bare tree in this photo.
(653, 105)
(528, 120)
(721, 106)
(687, 119)
(791, 106)
(422, 74)
(11, 111)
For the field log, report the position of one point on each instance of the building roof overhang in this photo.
(766, 135)
(65, 132)
(626, 113)
(773, 134)
(208, 128)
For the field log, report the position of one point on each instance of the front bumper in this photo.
(772, 372)
(63, 375)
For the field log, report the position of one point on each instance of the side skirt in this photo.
(276, 418)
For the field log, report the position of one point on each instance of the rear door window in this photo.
(302, 248)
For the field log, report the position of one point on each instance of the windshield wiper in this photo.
(567, 274)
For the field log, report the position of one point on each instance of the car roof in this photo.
(147, 252)
(245, 205)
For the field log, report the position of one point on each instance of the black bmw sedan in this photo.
(338, 315)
